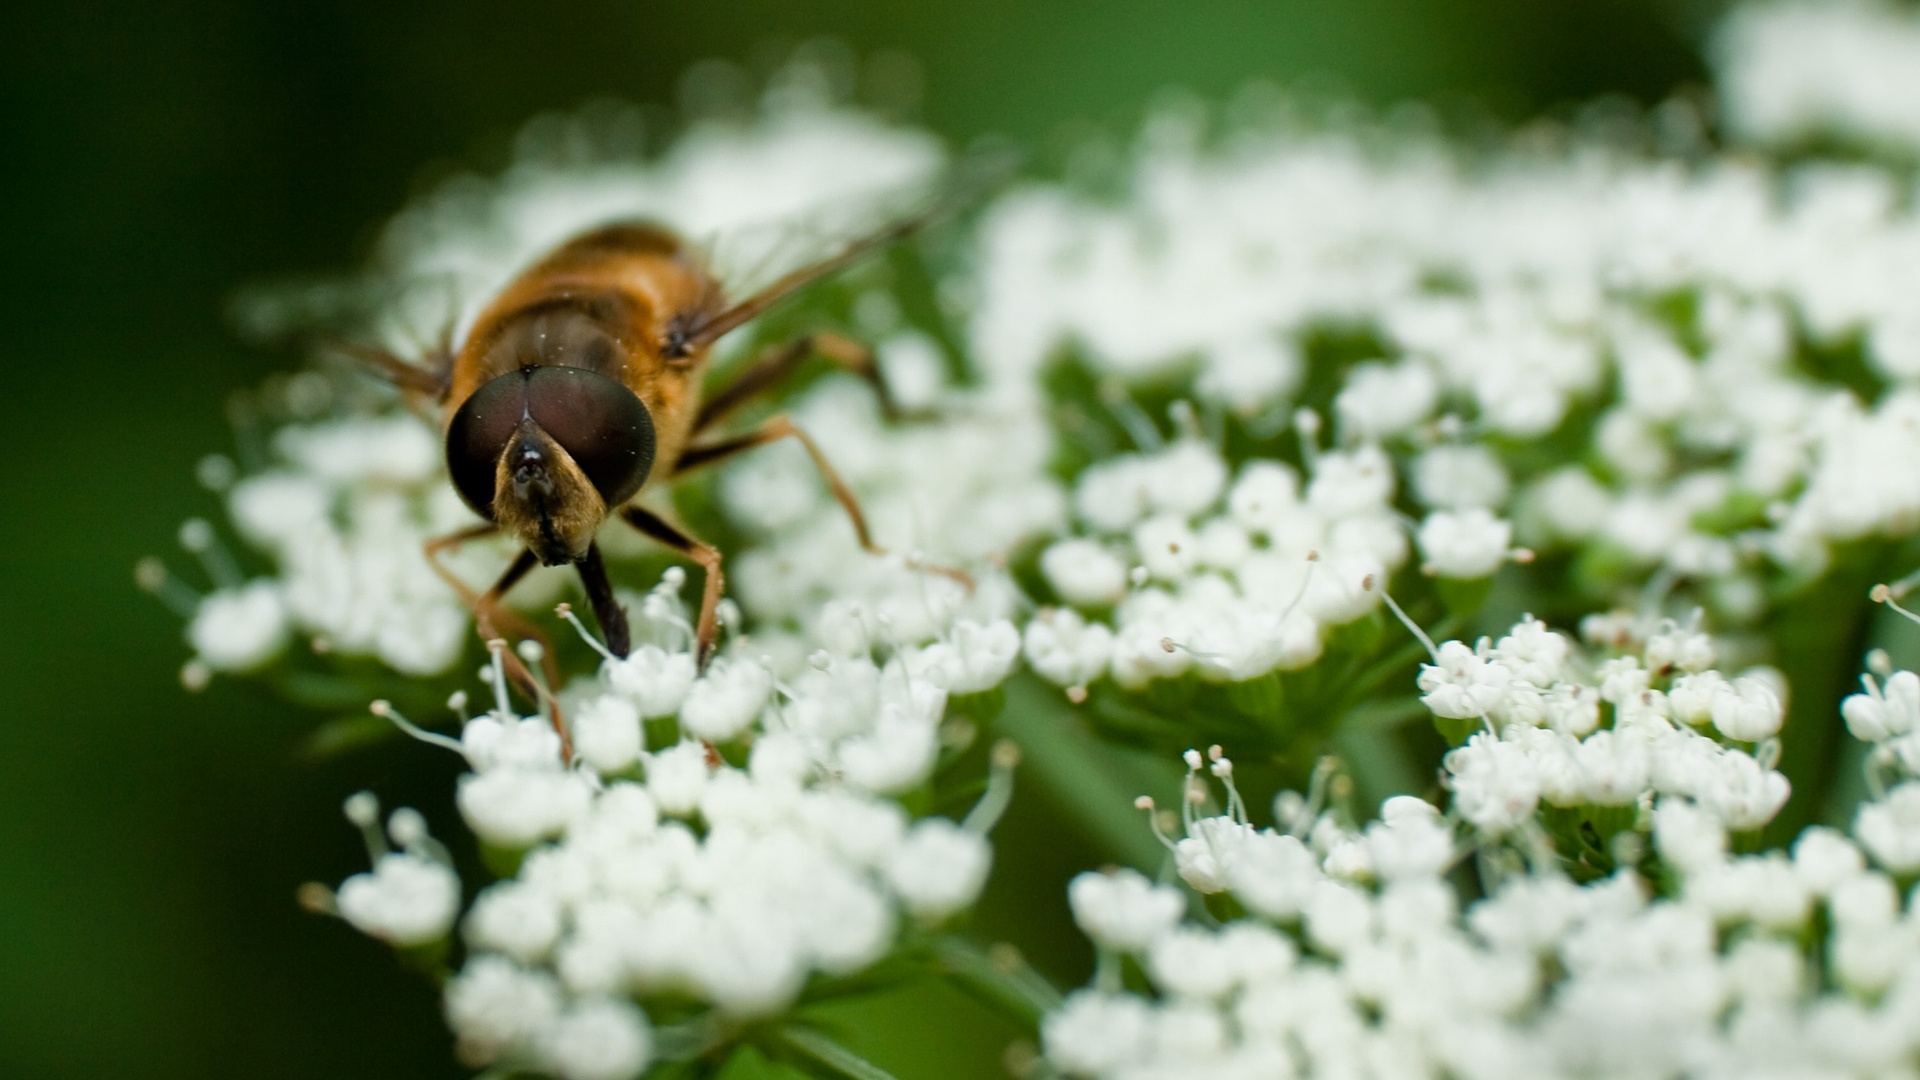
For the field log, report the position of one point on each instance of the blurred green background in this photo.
(158, 155)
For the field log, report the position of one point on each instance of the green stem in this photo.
(822, 1056)
(1094, 783)
(1018, 991)
(1818, 638)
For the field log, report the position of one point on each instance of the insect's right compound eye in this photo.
(479, 432)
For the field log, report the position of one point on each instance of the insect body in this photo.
(580, 386)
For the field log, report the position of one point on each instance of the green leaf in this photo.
(820, 1055)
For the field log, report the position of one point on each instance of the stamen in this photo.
(1882, 594)
(363, 810)
(1145, 802)
(1222, 770)
(385, 711)
(216, 472)
(457, 702)
(1306, 582)
(1185, 419)
(153, 577)
(1880, 662)
(987, 812)
(1905, 585)
(1412, 627)
(1323, 771)
(409, 829)
(1306, 423)
(198, 537)
(497, 673)
(1654, 596)
(531, 654)
(316, 899)
(565, 611)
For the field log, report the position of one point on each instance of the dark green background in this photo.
(154, 156)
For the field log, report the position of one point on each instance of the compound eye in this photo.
(600, 423)
(479, 433)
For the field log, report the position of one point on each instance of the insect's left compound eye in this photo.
(600, 423)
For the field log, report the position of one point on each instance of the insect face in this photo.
(546, 452)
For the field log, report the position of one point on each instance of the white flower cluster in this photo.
(959, 492)
(759, 197)
(1661, 310)
(672, 873)
(1792, 70)
(1225, 580)
(1660, 723)
(342, 513)
(1358, 958)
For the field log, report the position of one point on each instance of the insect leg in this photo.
(707, 630)
(774, 365)
(489, 616)
(611, 616)
(781, 427)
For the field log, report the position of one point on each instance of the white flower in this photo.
(406, 899)
(1094, 1034)
(938, 868)
(1462, 684)
(606, 733)
(516, 919)
(974, 657)
(1470, 543)
(516, 808)
(677, 776)
(1460, 477)
(727, 698)
(1890, 829)
(496, 1006)
(1067, 649)
(1749, 708)
(1409, 840)
(1824, 858)
(1122, 909)
(1495, 784)
(654, 679)
(239, 629)
(598, 1039)
(1380, 400)
(1883, 712)
(1084, 572)
(1274, 874)
(1265, 496)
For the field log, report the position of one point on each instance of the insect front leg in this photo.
(428, 379)
(606, 610)
(490, 617)
(776, 364)
(706, 630)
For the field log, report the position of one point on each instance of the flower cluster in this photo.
(1659, 721)
(1227, 581)
(1355, 955)
(755, 849)
(1792, 71)
(1688, 365)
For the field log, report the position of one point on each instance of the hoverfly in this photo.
(580, 386)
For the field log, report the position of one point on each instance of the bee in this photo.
(581, 386)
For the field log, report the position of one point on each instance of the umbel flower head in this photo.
(1183, 462)
(672, 885)
(1351, 951)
